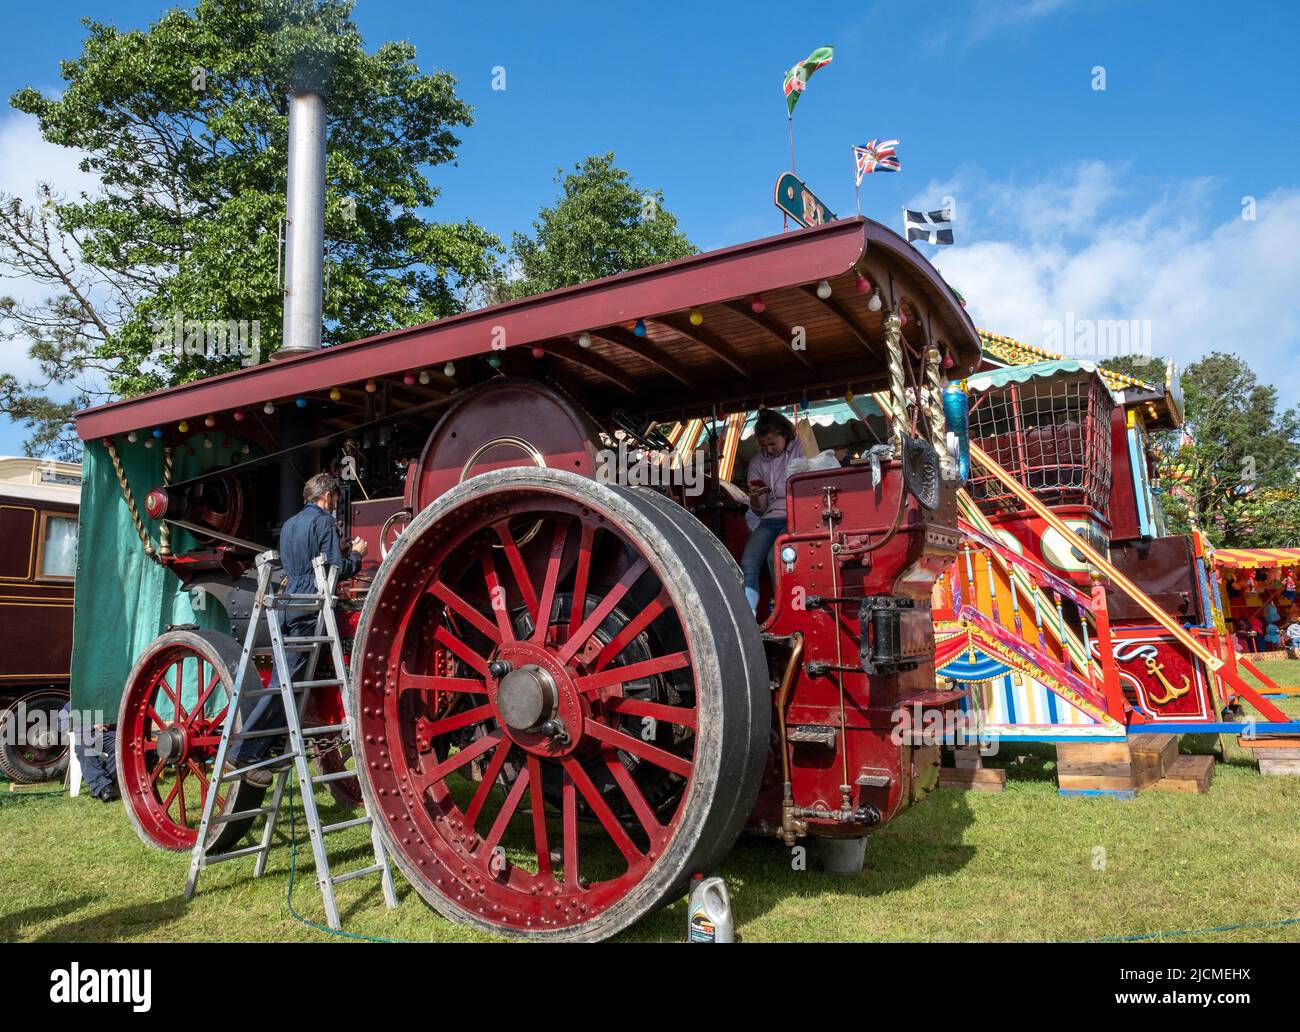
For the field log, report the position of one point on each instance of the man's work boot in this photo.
(262, 777)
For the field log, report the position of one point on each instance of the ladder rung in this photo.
(258, 692)
(324, 729)
(226, 818)
(294, 596)
(267, 650)
(327, 682)
(240, 735)
(308, 639)
(338, 775)
(239, 772)
(234, 854)
(360, 872)
(355, 822)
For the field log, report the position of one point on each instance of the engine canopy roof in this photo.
(792, 346)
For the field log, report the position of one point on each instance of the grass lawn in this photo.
(1024, 864)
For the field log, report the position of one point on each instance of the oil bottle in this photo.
(709, 911)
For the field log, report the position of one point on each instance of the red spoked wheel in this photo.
(562, 703)
(168, 730)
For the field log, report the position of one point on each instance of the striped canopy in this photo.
(1254, 558)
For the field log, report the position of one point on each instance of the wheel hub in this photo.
(45, 739)
(535, 698)
(528, 698)
(170, 744)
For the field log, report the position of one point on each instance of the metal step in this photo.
(238, 736)
(257, 693)
(338, 775)
(355, 822)
(360, 872)
(231, 774)
(234, 854)
(325, 729)
(238, 815)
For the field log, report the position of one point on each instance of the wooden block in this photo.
(986, 779)
(1271, 766)
(1096, 770)
(1095, 783)
(1092, 752)
(1153, 756)
(967, 757)
(1187, 774)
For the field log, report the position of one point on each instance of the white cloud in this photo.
(987, 18)
(1205, 279)
(26, 161)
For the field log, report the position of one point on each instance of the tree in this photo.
(601, 224)
(185, 124)
(1233, 472)
(1150, 368)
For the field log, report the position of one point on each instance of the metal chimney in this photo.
(304, 249)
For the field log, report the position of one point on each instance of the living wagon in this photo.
(38, 551)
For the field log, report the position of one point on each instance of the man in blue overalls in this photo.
(303, 537)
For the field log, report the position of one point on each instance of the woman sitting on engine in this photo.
(768, 471)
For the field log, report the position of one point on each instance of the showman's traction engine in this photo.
(564, 704)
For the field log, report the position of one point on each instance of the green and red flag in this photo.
(797, 77)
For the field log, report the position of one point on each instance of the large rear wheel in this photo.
(562, 701)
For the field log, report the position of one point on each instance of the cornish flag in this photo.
(934, 227)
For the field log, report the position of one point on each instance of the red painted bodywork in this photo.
(510, 423)
(906, 565)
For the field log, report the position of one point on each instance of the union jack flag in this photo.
(878, 155)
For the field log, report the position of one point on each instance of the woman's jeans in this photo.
(758, 550)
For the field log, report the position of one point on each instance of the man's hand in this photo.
(359, 546)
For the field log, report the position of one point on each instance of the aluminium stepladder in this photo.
(293, 695)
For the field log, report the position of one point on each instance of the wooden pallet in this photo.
(1187, 774)
(1278, 757)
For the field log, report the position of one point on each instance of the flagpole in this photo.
(857, 181)
(790, 120)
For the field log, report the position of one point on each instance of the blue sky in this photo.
(1072, 203)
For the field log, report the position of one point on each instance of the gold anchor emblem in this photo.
(1171, 693)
